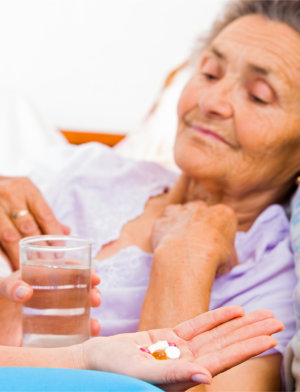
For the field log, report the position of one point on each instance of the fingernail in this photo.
(201, 378)
(22, 291)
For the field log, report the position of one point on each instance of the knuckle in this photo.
(196, 204)
(161, 221)
(25, 181)
(28, 187)
(28, 227)
(170, 209)
(173, 209)
(6, 189)
(225, 211)
(13, 187)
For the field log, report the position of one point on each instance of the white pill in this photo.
(172, 352)
(160, 345)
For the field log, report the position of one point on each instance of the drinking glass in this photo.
(58, 268)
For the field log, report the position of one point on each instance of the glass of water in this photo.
(58, 268)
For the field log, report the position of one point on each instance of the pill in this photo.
(145, 350)
(160, 354)
(171, 344)
(160, 345)
(172, 352)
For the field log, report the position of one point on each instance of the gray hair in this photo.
(285, 11)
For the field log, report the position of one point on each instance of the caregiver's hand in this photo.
(23, 212)
(210, 344)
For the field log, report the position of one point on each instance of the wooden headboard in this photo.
(76, 137)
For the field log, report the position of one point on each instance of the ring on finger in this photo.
(19, 214)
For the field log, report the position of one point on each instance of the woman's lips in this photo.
(205, 131)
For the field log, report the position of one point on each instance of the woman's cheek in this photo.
(188, 99)
(259, 134)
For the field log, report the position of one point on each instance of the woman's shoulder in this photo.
(274, 213)
(270, 228)
(265, 277)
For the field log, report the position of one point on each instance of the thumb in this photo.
(14, 289)
(181, 371)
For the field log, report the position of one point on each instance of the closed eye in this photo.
(258, 100)
(209, 76)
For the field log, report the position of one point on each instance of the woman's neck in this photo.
(247, 206)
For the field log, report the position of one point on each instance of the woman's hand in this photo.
(206, 232)
(23, 212)
(211, 343)
(14, 292)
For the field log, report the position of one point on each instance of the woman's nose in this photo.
(215, 101)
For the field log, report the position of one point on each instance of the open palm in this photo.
(211, 343)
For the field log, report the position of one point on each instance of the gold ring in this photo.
(19, 214)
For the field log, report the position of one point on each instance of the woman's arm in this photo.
(192, 244)
(176, 291)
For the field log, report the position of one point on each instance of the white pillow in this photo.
(153, 139)
(22, 132)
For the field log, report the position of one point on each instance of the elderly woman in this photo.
(218, 234)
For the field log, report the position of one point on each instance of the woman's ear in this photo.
(298, 180)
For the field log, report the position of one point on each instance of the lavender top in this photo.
(96, 193)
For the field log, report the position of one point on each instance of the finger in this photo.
(238, 325)
(95, 297)
(217, 362)
(9, 238)
(95, 280)
(172, 372)
(264, 327)
(66, 229)
(43, 214)
(206, 321)
(197, 207)
(171, 211)
(220, 341)
(15, 289)
(94, 327)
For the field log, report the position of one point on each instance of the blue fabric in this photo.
(23, 379)
(295, 239)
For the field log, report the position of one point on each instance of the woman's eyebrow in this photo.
(217, 53)
(258, 69)
(265, 71)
